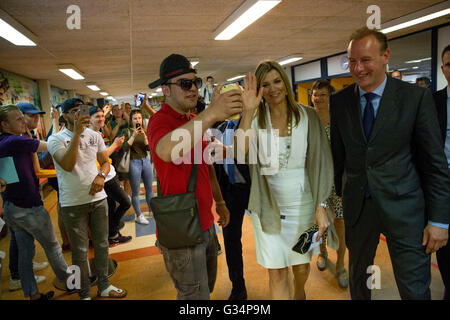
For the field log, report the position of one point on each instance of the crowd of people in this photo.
(372, 158)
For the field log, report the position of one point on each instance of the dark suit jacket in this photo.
(403, 162)
(440, 100)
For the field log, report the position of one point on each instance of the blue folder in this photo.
(8, 170)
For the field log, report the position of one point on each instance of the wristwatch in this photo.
(323, 205)
(102, 174)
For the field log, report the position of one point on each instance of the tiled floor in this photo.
(142, 272)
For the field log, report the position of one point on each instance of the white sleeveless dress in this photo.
(291, 189)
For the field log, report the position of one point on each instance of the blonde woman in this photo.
(289, 200)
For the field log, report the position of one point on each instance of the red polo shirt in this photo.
(173, 177)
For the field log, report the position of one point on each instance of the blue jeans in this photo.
(14, 257)
(29, 224)
(141, 168)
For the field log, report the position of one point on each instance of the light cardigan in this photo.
(319, 166)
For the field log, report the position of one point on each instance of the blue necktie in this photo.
(229, 162)
(368, 119)
(369, 114)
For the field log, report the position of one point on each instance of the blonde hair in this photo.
(5, 110)
(261, 71)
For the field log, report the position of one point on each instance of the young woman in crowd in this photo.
(321, 92)
(140, 165)
(116, 126)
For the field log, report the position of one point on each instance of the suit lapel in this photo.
(387, 103)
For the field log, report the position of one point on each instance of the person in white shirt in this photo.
(75, 151)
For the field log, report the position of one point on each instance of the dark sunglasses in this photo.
(186, 84)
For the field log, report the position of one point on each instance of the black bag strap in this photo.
(192, 181)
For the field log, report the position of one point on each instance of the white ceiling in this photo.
(121, 43)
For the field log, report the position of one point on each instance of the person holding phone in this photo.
(116, 126)
(140, 166)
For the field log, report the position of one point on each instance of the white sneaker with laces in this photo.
(16, 284)
(141, 219)
(38, 266)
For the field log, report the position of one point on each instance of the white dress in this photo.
(291, 189)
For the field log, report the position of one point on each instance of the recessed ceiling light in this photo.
(104, 93)
(418, 60)
(71, 71)
(247, 13)
(288, 60)
(194, 61)
(236, 78)
(93, 86)
(433, 12)
(14, 32)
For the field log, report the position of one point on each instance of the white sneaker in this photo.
(141, 219)
(16, 284)
(38, 266)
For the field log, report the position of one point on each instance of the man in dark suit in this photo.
(234, 182)
(442, 102)
(390, 170)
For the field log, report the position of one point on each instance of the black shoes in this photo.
(119, 240)
(45, 296)
(238, 294)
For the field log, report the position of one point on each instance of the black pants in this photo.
(443, 259)
(236, 197)
(410, 262)
(116, 194)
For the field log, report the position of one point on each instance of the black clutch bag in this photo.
(304, 241)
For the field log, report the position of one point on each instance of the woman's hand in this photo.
(321, 219)
(251, 98)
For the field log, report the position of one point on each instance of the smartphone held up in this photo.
(139, 99)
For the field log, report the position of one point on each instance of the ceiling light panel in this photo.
(242, 17)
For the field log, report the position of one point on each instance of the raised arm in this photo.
(67, 158)
(222, 106)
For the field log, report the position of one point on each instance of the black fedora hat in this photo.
(171, 67)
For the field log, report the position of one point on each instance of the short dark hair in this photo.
(424, 79)
(447, 48)
(320, 84)
(69, 104)
(365, 32)
(209, 77)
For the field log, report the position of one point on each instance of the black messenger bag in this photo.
(177, 217)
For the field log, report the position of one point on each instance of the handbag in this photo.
(177, 217)
(124, 163)
(305, 240)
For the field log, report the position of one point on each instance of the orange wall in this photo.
(303, 88)
(339, 83)
(302, 92)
